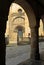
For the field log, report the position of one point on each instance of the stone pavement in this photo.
(36, 62)
(31, 62)
(17, 54)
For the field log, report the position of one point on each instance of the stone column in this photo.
(34, 43)
(2, 41)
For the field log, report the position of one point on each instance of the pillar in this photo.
(34, 43)
(2, 42)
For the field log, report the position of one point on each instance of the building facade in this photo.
(17, 28)
(35, 11)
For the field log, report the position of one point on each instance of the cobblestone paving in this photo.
(17, 54)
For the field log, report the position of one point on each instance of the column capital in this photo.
(37, 24)
(35, 27)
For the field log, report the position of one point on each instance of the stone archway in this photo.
(33, 25)
(32, 20)
(29, 11)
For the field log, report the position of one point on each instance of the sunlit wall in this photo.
(9, 27)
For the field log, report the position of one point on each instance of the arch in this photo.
(18, 17)
(29, 11)
(20, 27)
(3, 15)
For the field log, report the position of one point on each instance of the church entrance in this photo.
(19, 36)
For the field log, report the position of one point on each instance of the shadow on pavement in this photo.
(31, 62)
(34, 62)
(42, 55)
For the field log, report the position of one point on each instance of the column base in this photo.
(35, 56)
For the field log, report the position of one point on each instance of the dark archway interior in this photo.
(4, 9)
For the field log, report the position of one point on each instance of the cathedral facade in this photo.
(17, 27)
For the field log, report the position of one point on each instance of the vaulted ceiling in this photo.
(37, 5)
(41, 2)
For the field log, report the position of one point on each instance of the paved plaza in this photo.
(16, 54)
